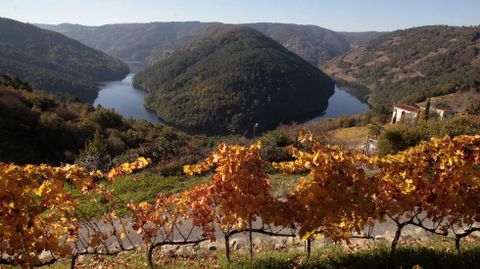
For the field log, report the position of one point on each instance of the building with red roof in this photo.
(404, 113)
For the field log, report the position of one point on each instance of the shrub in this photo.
(401, 136)
(273, 144)
(52, 121)
(107, 118)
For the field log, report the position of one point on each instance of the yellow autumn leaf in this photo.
(39, 191)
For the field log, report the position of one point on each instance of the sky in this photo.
(338, 15)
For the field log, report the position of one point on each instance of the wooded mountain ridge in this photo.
(151, 42)
(53, 62)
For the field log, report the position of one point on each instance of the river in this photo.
(128, 101)
(343, 102)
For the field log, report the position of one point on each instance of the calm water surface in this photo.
(128, 101)
(342, 102)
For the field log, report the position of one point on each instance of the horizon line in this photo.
(239, 23)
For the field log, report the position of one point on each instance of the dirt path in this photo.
(381, 231)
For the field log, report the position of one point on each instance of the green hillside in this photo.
(409, 65)
(53, 62)
(230, 78)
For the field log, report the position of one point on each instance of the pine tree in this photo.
(95, 154)
(427, 110)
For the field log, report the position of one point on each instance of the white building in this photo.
(404, 113)
(443, 113)
(442, 107)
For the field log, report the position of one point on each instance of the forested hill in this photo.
(53, 62)
(151, 42)
(231, 77)
(409, 65)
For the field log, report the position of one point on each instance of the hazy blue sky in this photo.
(340, 15)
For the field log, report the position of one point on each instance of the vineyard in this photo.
(341, 195)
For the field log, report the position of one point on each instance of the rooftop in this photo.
(446, 109)
(407, 108)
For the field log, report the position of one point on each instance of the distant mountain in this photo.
(231, 77)
(360, 38)
(134, 41)
(312, 43)
(409, 65)
(53, 62)
(152, 42)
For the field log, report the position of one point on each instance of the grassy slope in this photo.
(435, 254)
(146, 185)
(351, 137)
